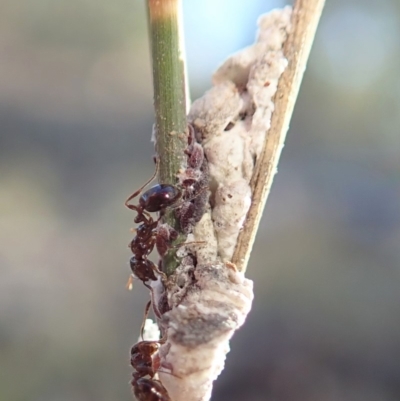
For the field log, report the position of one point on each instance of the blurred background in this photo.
(76, 116)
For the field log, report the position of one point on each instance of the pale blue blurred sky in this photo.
(216, 28)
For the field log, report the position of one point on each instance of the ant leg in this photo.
(142, 215)
(136, 193)
(156, 311)
(188, 243)
(168, 366)
(162, 274)
(146, 313)
(202, 190)
(158, 271)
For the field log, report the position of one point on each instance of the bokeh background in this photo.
(75, 118)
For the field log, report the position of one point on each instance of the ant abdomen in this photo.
(143, 269)
(149, 390)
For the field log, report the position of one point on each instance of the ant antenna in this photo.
(143, 186)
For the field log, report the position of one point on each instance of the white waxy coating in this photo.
(233, 119)
(151, 332)
(215, 304)
(232, 201)
(211, 300)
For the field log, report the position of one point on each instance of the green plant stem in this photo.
(169, 100)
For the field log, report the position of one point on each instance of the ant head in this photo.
(159, 197)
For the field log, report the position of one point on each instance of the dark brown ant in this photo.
(150, 233)
(145, 363)
(155, 199)
(190, 202)
(146, 389)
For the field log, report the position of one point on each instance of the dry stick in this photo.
(169, 99)
(305, 17)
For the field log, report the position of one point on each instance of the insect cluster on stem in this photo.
(189, 199)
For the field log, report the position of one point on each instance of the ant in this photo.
(150, 233)
(145, 361)
(146, 389)
(155, 199)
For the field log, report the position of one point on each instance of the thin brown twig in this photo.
(305, 18)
